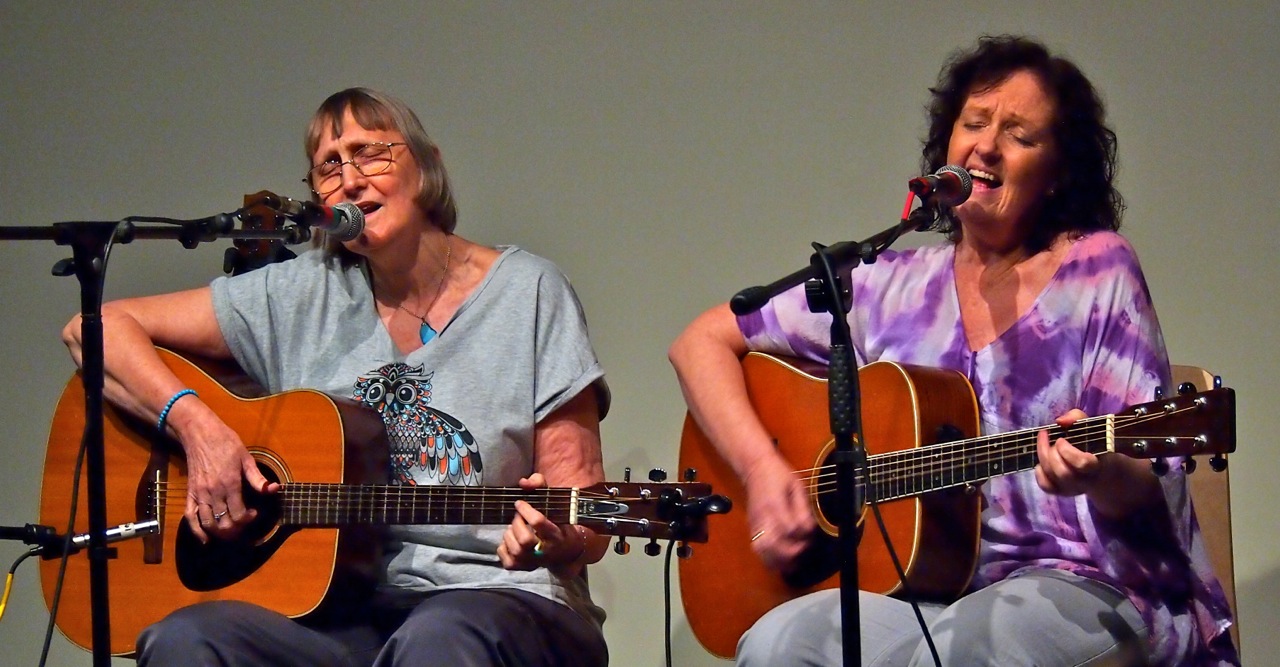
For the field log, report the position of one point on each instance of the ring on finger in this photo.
(537, 550)
(219, 515)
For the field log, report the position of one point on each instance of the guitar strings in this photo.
(897, 482)
(306, 498)
(901, 470)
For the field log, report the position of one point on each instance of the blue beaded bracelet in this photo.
(164, 414)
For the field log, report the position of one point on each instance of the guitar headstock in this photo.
(1183, 425)
(655, 510)
(248, 253)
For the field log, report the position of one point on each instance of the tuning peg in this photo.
(684, 550)
(1186, 388)
(1188, 464)
(713, 504)
(1159, 467)
(652, 548)
(1218, 462)
(690, 475)
(621, 547)
(626, 474)
(1159, 393)
(657, 475)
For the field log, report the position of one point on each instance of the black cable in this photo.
(666, 601)
(8, 584)
(30, 552)
(56, 599)
(902, 577)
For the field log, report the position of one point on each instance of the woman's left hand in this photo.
(532, 540)
(1065, 470)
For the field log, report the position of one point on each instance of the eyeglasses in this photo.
(370, 160)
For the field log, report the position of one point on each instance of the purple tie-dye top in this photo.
(1091, 340)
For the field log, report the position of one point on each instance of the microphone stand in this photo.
(90, 244)
(825, 291)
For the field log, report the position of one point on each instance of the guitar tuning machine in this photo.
(690, 475)
(620, 547)
(652, 548)
(614, 492)
(684, 550)
(1218, 462)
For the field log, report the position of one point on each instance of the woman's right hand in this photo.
(218, 467)
(779, 513)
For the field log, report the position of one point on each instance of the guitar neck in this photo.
(1183, 425)
(329, 505)
(912, 472)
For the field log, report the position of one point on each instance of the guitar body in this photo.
(296, 435)
(725, 587)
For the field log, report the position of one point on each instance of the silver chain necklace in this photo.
(427, 333)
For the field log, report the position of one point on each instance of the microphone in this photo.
(50, 543)
(950, 185)
(52, 548)
(343, 221)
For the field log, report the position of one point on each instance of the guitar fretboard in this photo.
(912, 472)
(323, 505)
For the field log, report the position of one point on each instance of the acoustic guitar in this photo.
(925, 463)
(330, 457)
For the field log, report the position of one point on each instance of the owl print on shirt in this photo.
(427, 446)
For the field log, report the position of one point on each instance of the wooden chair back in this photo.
(1211, 498)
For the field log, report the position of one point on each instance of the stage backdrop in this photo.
(664, 154)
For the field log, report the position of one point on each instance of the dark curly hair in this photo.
(1084, 197)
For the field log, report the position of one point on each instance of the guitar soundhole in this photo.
(221, 563)
(823, 488)
(822, 557)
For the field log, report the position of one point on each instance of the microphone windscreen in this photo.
(348, 222)
(966, 184)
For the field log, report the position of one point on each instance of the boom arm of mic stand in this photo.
(842, 255)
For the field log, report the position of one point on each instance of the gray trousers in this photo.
(1048, 618)
(458, 628)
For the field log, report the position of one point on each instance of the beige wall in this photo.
(664, 154)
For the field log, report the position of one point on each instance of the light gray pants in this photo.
(1047, 618)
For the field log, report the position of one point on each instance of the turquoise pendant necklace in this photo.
(427, 333)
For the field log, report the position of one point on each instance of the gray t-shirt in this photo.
(460, 410)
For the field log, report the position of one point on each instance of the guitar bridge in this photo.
(151, 501)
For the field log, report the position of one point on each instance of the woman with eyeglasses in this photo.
(477, 360)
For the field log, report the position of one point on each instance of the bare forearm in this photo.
(568, 454)
(707, 361)
(136, 380)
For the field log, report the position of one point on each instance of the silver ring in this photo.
(219, 515)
